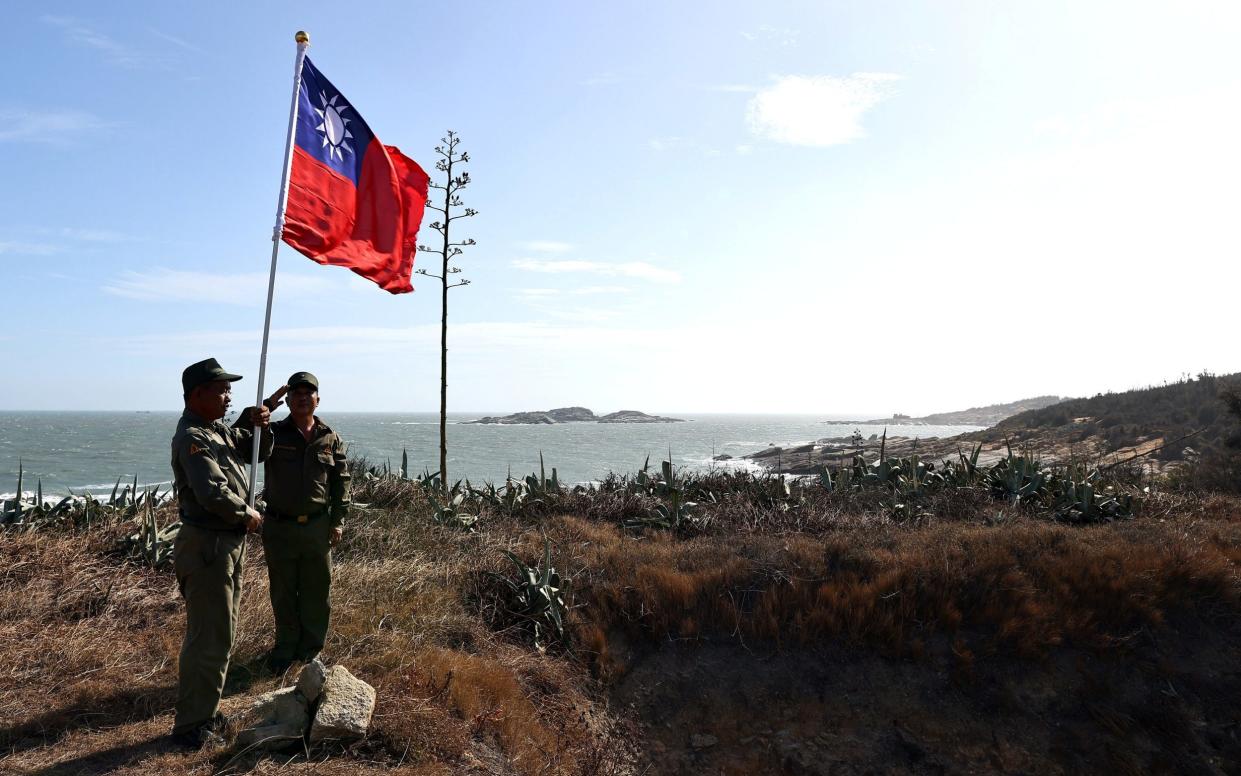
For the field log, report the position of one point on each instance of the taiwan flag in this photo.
(353, 202)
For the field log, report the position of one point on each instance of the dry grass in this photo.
(90, 641)
(1024, 587)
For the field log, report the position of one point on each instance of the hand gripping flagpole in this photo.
(303, 43)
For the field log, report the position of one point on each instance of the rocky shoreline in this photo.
(572, 415)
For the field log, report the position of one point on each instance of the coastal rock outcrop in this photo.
(633, 416)
(572, 415)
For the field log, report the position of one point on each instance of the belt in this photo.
(299, 519)
(210, 523)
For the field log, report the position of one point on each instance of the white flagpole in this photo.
(303, 43)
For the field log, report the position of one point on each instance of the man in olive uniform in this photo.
(211, 487)
(306, 488)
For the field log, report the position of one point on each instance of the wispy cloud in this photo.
(168, 285)
(817, 110)
(629, 269)
(27, 249)
(47, 126)
(666, 143)
(173, 39)
(541, 294)
(588, 290)
(94, 235)
(80, 33)
(490, 338)
(677, 143)
(782, 36)
(547, 246)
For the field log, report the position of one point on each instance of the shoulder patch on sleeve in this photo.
(195, 449)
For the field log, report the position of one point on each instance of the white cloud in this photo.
(675, 143)
(784, 36)
(816, 110)
(547, 246)
(93, 235)
(588, 290)
(244, 289)
(628, 269)
(543, 293)
(48, 126)
(476, 338)
(174, 40)
(81, 34)
(27, 249)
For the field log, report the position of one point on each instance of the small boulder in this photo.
(270, 736)
(345, 707)
(310, 680)
(274, 719)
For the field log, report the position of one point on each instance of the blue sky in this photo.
(859, 207)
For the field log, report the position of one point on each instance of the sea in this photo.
(86, 452)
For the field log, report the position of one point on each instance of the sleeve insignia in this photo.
(195, 449)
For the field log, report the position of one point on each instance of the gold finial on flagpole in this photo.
(301, 37)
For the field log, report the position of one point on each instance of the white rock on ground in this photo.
(310, 680)
(345, 707)
(274, 718)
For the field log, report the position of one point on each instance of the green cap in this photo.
(205, 371)
(302, 378)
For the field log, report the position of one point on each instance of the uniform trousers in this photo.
(208, 565)
(299, 572)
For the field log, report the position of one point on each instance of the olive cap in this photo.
(206, 371)
(302, 378)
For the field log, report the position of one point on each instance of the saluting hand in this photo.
(276, 399)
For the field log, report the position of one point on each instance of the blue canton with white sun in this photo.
(328, 128)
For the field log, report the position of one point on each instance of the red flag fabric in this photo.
(353, 202)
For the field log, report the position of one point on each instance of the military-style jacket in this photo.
(306, 478)
(208, 470)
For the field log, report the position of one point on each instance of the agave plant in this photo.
(541, 485)
(963, 472)
(1079, 502)
(451, 512)
(536, 597)
(676, 509)
(151, 543)
(1018, 478)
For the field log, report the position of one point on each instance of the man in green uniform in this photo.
(211, 487)
(306, 488)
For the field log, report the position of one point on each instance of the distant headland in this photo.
(575, 415)
(974, 416)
